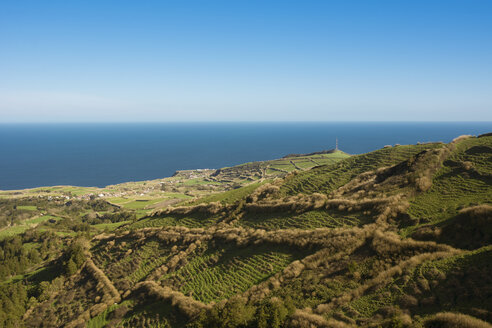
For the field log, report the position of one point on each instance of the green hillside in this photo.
(464, 180)
(327, 178)
(398, 237)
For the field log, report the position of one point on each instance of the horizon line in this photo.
(232, 121)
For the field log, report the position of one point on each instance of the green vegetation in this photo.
(307, 220)
(101, 320)
(435, 286)
(327, 178)
(464, 180)
(27, 207)
(190, 221)
(219, 273)
(110, 226)
(140, 203)
(134, 261)
(26, 224)
(399, 237)
(231, 196)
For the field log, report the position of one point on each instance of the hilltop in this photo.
(398, 237)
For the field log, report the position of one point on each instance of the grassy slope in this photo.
(307, 220)
(327, 178)
(230, 196)
(190, 221)
(456, 186)
(457, 283)
(24, 225)
(220, 272)
(305, 162)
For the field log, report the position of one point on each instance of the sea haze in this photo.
(34, 155)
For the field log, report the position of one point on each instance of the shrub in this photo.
(454, 320)
(408, 301)
(233, 313)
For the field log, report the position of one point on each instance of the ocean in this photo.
(33, 155)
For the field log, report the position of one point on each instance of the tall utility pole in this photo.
(336, 143)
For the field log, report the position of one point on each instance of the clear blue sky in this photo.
(245, 60)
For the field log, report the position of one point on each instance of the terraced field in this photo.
(153, 315)
(219, 273)
(290, 164)
(459, 183)
(454, 283)
(190, 221)
(130, 261)
(110, 226)
(137, 204)
(283, 165)
(278, 167)
(308, 220)
(230, 196)
(327, 178)
(101, 320)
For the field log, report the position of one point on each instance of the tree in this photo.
(70, 267)
(272, 313)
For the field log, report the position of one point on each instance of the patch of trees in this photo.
(270, 313)
(74, 258)
(11, 214)
(11, 211)
(97, 218)
(71, 224)
(13, 303)
(15, 258)
(98, 205)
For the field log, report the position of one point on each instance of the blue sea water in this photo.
(33, 155)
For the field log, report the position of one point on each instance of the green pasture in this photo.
(230, 196)
(23, 226)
